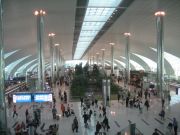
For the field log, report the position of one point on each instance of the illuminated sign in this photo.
(26, 97)
(22, 98)
(43, 97)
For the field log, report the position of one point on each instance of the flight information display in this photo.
(43, 97)
(22, 98)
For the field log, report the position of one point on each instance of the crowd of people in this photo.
(93, 110)
(135, 99)
(91, 107)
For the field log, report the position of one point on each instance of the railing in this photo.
(14, 88)
(130, 130)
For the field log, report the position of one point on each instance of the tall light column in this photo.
(57, 59)
(112, 57)
(93, 60)
(127, 70)
(59, 63)
(3, 117)
(90, 60)
(97, 58)
(40, 31)
(51, 45)
(160, 50)
(103, 61)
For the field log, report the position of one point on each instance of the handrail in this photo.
(127, 129)
(9, 90)
(160, 132)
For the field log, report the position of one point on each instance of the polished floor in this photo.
(118, 116)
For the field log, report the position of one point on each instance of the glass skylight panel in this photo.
(103, 3)
(83, 44)
(120, 62)
(173, 60)
(21, 69)
(97, 13)
(31, 68)
(135, 64)
(85, 39)
(11, 66)
(152, 65)
(9, 54)
(88, 33)
(93, 27)
(107, 64)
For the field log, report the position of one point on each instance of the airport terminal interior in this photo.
(89, 67)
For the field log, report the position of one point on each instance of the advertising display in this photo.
(22, 98)
(43, 97)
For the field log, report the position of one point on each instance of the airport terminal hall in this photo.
(89, 67)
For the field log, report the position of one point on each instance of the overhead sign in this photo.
(22, 98)
(26, 97)
(43, 97)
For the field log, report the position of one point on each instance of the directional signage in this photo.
(26, 97)
(43, 97)
(22, 98)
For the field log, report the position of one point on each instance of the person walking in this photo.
(96, 103)
(26, 114)
(146, 94)
(14, 111)
(90, 113)
(75, 124)
(118, 96)
(162, 101)
(63, 109)
(85, 116)
(155, 132)
(175, 125)
(98, 128)
(169, 98)
(104, 111)
(82, 100)
(69, 110)
(54, 111)
(162, 114)
(140, 106)
(127, 101)
(106, 123)
(147, 104)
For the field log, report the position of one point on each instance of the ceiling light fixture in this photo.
(56, 44)
(40, 12)
(111, 43)
(160, 13)
(51, 34)
(127, 34)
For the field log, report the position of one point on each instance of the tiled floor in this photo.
(118, 116)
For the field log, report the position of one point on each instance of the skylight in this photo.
(120, 62)
(97, 14)
(31, 68)
(152, 65)
(107, 64)
(135, 64)
(9, 54)
(11, 66)
(110, 62)
(173, 61)
(21, 69)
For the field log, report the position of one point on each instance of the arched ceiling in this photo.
(138, 19)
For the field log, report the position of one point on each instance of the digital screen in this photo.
(22, 98)
(43, 97)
